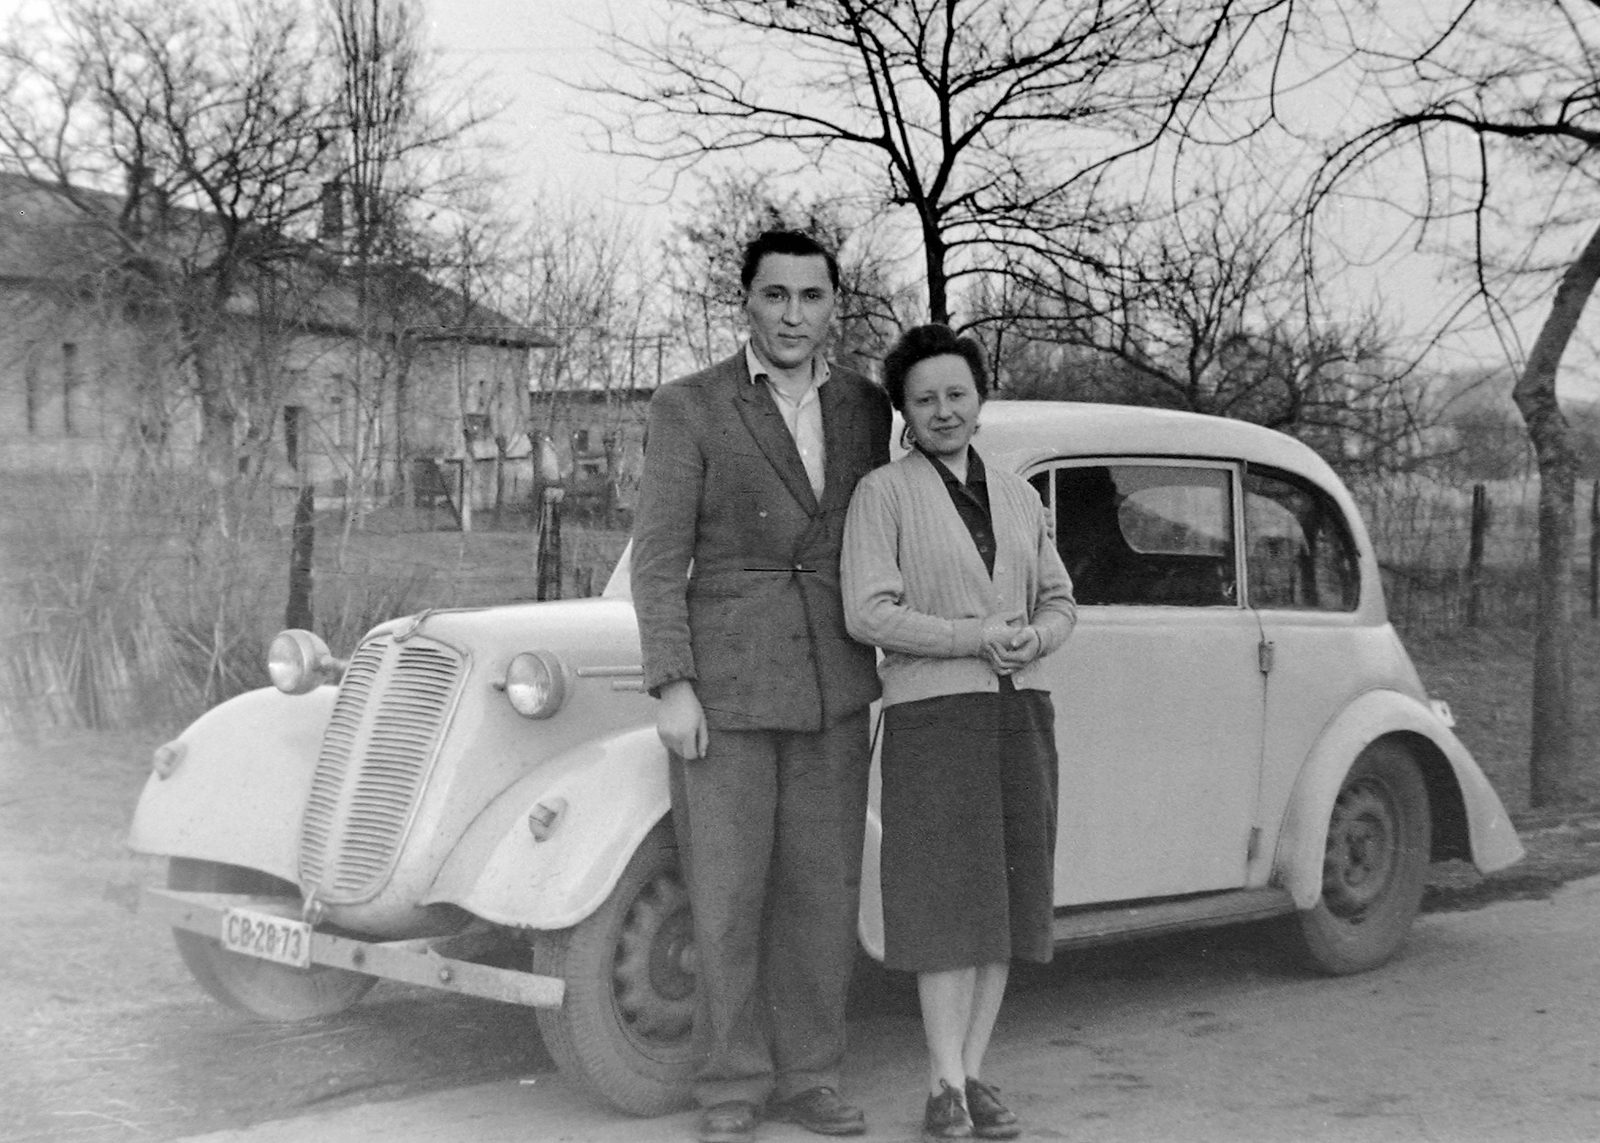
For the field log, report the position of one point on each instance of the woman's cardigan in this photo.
(915, 585)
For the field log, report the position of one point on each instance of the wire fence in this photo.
(142, 602)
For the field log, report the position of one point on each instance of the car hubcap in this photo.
(653, 977)
(1363, 841)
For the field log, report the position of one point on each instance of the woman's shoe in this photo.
(991, 1119)
(946, 1116)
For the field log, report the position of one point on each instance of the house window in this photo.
(580, 440)
(69, 385)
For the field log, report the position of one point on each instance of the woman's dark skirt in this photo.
(969, 830)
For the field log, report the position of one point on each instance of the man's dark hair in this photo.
(796, 242)
(922, 342)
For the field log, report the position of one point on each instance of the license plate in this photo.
(271, 938)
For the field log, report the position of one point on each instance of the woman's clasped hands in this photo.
(1009, 643)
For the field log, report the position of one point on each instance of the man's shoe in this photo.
(821, 1110)
(731, 1122)
(991, 1119)
(946, 1116)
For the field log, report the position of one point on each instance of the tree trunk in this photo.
(1552, 764)
(938, 285)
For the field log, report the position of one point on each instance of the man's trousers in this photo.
(770, 826)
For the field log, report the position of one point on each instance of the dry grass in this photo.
(134, 601)
(1485, 675)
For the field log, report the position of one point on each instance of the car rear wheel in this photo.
(625, 1028)
(258, 988)
(1374, 866)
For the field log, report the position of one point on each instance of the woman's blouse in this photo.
(971, 502)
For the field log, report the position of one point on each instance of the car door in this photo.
(1159, 695)
(1303, 580)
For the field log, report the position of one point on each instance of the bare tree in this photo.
(397, 165)
(1209, 310)
(579, 273)
(707, 243)
(204, 124)
(1482, 125)
(995, 124)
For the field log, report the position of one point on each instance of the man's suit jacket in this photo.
(757, 623)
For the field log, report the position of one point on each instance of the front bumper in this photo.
(432, 962)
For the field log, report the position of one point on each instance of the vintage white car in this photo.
(476, 799)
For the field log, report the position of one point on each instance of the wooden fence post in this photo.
(1480, 527)
(548, 568)
(298, 613)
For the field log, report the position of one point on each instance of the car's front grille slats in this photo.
(376, 754)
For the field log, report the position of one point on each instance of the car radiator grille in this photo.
(376, 753)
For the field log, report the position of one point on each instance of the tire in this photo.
(257, 988)
(625, 1030)
(1374, 867)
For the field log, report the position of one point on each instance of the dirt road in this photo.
(1480, 1031)
(1484, 1030)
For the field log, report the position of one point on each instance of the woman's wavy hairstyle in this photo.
(922, 342)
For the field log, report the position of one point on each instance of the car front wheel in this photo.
(1374, 866)
(258, 988)
(625, 1028)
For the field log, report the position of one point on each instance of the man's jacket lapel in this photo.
(839, 428)
(760, 414)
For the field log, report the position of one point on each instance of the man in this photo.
(748, 471)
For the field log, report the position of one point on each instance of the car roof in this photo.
(1021, 434)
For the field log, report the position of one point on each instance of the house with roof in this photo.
(354, 378)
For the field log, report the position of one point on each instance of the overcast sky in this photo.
(515, 49)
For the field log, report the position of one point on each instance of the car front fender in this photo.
(609, 793)
(1298, 859)
(238, 792)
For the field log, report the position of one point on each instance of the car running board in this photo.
(1098, 924)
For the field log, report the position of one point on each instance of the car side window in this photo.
(1147, 534)
(1298, 550)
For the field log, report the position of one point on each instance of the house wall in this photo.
(84, 391)
(79, 389)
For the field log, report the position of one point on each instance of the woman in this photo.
(949, 567)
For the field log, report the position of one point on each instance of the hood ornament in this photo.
(414, 626)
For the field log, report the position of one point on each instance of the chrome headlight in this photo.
(536, 684)
(299, 662)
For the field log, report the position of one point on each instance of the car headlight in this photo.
(299, 662)
(536, 684)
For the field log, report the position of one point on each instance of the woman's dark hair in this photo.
(922, 342)
(795, 242)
